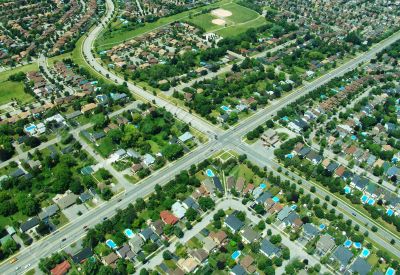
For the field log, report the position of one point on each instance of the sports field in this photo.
(228, 20)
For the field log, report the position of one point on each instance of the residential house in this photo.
(178, 209)
(218, 237)
(188, 265)
(264, 197)
(238, 270)
(209, 244)
(200, 255)
(239, 184)
(249, 235)
(360, 266)
(136, 244)
(146, 234)
(268, 249)
(148, 159)
(110, 259)
(157, 227)
(168, 218)
(310, 231)
(82, 255)
(189, 202)
(29, 224)
(342, 255)
(48, 212)
(233, 223)
(125, 252)
(284, 213)
(218, 184)
(247, 263)
(325, 244)
(61, 269)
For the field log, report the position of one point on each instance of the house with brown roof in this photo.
(219, 237)
(88, 107)
(168, 218)
(61, 268)
(239, 184)
(340, 170)
(110, 259)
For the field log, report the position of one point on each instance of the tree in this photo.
(42, 228)
(76, 187)
(191, 214)
(172, 151)
(178, 232)
(261, 225)
(167, 255)
(275, 239)
(206, 203)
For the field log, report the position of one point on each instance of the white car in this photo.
(28, 265)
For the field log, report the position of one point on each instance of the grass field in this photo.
(10, 90)
(241, 20)
(105, 42)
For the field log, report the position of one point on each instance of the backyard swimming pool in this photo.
(210, 173)
(236, 254)
(275, 199)
(389, 212)
(365, 252)
(263, 185)
(364, 198)
(390, 271)
(371, 201)
(110, 243)
(347, 189)
(129, 233)
(357, 245)
(225, 108)
(347, 243)
(322, 226)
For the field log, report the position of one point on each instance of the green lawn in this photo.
(106, 41)
(10, 90)
(240, 28)
(241, 20)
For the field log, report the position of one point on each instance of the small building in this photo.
(110, 259)
(168, 218)
(310, 231)
(209, 244)
(360, 266)
(29, 224)
(233, 223)
(269, 249)
(325, 244)
(178, 209)
(66, 201)
(61, 268)
(238, 270)
(48, 212)
(185, 137)
(136, 244)
(189, 202)
(342, 255)
(249, 235)
(82, 255)
(148, 159)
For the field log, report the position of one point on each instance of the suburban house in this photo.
(178, 209)
(269, 249)
(29, 224)
(233, 223)
(342, 255)
(168, 218)
(249, 235)
(82, 255)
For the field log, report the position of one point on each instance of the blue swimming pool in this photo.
(285, 118)
(364, 198)
(275, 199)
(365, 252)
(293, 207)
(236, 254)
(357, 245)
(371, 201)
(322, 226)
(129, 233)
(353, 137)
(210, 173)
(225, 108)
(347, 189)
(389, 212)
(263, 185)
(30, 128)
(289, 156)
(390, 271)
(347, 243)
(110, 243)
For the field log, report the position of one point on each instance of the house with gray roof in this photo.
(269, 249)
(29, 224)
(361, 266)
(284, 213)
(342, 255)
(233, 223)
(148, 159)
(249, 235)
(310, 231)
(189, 202)
(289, 220)
(146, 233)
(48, 212)
(264, 197)
(325, 244)
(136, 244)
(238, 270)
(185, 137)
(132, 153)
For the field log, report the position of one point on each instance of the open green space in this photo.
(241, 19)
(10, 90)
(107, 40)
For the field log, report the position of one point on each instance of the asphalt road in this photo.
(231, 138)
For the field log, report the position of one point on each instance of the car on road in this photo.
(17, 268)
(13, 260)
(27, 266)
(63, 240)
(354, 214)
(105, 218)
